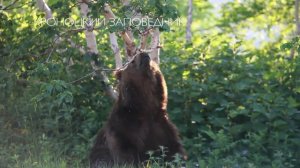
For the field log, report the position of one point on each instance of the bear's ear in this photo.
(118, 74)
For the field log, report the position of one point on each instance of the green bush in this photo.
(235, 108)
(235, 105)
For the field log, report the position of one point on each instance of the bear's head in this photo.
(142, 85)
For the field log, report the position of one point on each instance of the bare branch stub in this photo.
(143, 38)
(130, 45)
(143, 42)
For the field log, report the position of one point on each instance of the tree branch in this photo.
(143, 42)
(130, 45)
(73, 45)
(8, 6)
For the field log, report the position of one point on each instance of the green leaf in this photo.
(286, 46)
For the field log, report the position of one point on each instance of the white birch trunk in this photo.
(125, 2)
(155, 45)
(113, 38)
(292, 54)
(130, 46)
(143, 41)
(89, 34)
(297, 17)
(92, 48)
(189, 22)
(115, 47)
(44, 7)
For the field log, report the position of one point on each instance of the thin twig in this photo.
(53, 45)
(105, 69)
(89, 74)
(13, 3)
(85, 76)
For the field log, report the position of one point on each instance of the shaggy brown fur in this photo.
(139, 121)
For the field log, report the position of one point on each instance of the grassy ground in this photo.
(26, 150)
(23, 148)
(32, 151)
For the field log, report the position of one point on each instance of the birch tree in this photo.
(148, 37)
(92, 49)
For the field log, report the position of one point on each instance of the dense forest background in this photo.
(232, 69)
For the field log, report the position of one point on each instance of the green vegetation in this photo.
(235, 104)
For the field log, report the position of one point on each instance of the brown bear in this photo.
(138, 122)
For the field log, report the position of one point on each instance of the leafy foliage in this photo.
(235, 104)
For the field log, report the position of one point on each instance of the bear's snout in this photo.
(145, 59)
